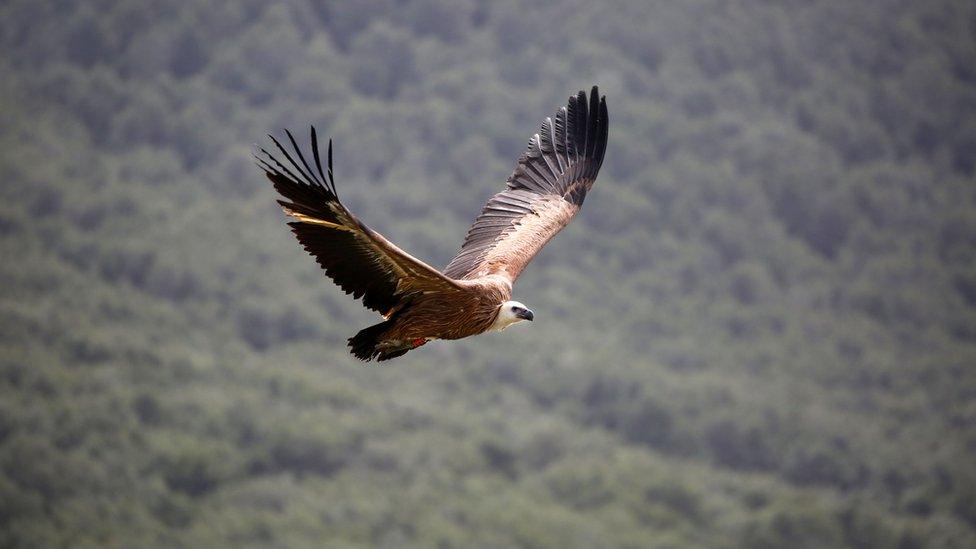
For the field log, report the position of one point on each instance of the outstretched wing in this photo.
(360, 260)
(546, 190)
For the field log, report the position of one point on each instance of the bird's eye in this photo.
(515, 309)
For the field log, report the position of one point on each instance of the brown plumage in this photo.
(472, 295)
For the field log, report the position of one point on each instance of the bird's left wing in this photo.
(543, 194)
(360, 260)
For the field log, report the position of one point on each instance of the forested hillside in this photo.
(760, 331)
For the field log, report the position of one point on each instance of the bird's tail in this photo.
(366, 345)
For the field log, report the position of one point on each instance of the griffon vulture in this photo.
(473, 293)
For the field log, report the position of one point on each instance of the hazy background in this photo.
(760, 331)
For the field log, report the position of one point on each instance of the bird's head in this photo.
(509, 313)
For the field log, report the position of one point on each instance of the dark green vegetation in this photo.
(760, 332)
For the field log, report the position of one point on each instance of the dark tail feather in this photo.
(364, 343)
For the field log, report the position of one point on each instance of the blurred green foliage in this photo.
(760, 331)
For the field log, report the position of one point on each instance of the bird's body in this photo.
(470, 310)
(473, 293)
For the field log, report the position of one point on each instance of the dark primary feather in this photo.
(361, 261)
(562, 160)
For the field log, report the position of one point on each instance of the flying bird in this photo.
(473, 294)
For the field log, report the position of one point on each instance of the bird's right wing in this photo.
(360, 260)
(546, 190)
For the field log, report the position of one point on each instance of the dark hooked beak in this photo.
(525, 314)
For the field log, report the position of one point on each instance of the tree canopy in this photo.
(760, 331)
